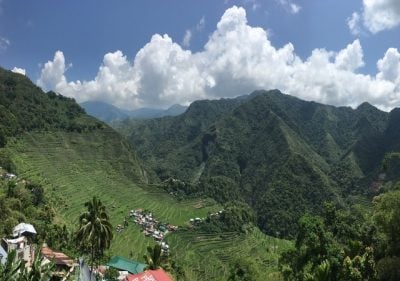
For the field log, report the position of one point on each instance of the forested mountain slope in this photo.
(282, 155)
(48, 140)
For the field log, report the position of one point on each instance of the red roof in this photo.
(150, 275)
(57, 257)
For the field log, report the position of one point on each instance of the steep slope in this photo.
(51, 141)
(282, 155)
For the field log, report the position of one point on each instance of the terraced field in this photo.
(73, 167)
(208, 256)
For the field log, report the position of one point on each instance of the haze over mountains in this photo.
(109, 113)
(281, 155)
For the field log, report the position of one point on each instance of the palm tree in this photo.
(95, 230)
(10, 270)
(155, 258)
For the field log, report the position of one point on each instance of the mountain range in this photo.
(109, 113)
(281, 155)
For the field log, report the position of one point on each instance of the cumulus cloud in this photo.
(19, 70)
(52, 75)
(236, 60)
(377, 15)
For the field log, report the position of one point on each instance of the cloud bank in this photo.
(236, 60)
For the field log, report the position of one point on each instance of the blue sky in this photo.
(307, 36)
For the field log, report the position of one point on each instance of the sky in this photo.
(152, 53)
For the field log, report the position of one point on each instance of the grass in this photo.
(206, 256)
(74, 167)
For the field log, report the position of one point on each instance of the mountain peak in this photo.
(366, 106)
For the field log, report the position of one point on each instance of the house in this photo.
(20, 242)
(150, 275)
(24, 251)
(64, 265)
(124, 264)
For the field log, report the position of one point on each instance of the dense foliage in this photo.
(95, 231)
(281, 155)
(24, 107)
(355, 244)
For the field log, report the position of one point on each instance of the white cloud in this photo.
(389, 66)
(350, 58)
(201, 24)
(237, 59)
(52, 75)
(4, 44)
(19, 70)
(186, 38)
(289, 6)
(294, 8)
(378, 15)
(254, 4)
(354, 24)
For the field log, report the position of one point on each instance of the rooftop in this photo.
(125, 264)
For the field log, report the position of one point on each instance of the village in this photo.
(21, 247)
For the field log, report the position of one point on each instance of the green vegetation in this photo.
(212, 256)
(155, 259)
(74, 167)
(15, 270)
(281, 155)
(266, 159)
(24, 107)
(95, 231)
(356, 244)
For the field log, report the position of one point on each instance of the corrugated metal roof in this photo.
(22, 228)
(122, 263)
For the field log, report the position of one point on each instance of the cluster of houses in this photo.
(65, 267)
(197, 221)
(152, 227)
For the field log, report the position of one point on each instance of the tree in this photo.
(155, 258)
(244, 270)
(387, 218)
(111, 274)
(95, 231)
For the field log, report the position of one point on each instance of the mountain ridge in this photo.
(266, 138)
(109, 113)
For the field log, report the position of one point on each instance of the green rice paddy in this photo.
(74, 167)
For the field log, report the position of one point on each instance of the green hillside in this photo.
(75, 157)
(73, 167)
(282, 155)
